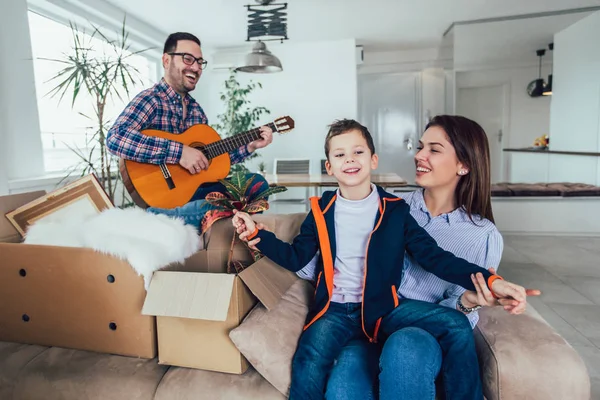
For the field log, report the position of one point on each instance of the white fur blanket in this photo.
(147, 241)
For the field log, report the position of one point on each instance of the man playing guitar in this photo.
(168, 106)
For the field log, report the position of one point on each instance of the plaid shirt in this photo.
(158, 107)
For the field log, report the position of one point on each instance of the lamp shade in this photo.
(260, 61)
(548, 89)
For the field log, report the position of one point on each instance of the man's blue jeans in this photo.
(193, 212)
(324, 340)
(406, 367)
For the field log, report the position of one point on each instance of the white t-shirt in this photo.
(354, 222)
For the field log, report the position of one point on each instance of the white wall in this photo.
(576, 87)
(575, 111)
(19, 122)
(391, 61)
(527, 117)
(318, 84)
(3, 158)
(433, 98)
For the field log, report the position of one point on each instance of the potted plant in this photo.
(239, 115)
(104, 74)
(243, 194)
(262, 168)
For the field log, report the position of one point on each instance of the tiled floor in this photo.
(567, 271)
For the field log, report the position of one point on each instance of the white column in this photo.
(20, 140)
(575, 109)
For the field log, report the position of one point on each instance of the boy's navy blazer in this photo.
(395, 232)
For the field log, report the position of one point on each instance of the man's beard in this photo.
(179, 79)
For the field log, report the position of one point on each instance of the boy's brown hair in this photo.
(346, 125)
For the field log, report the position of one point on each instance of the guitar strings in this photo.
(226, 145)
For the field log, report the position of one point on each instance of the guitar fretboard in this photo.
(234, 142)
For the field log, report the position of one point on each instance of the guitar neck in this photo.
(215, 149)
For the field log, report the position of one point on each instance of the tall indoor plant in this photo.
(104, 74)
(239, 116)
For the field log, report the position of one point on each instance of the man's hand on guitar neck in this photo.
(193, 160)
(266, 134)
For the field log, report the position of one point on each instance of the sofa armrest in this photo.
(522, 357)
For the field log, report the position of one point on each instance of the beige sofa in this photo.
(521, 357)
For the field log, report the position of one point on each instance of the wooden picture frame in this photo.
(84, 196)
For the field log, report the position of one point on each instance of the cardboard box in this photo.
(195, 311)
(69, 297)
(82, 299)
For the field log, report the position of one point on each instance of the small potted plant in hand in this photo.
(242, 194)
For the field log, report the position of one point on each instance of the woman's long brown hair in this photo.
(470, 142)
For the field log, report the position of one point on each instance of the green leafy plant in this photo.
(239, 115)
(243, 194)
(262, 167)
(104, 74)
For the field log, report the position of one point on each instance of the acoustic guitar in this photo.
(171, 185)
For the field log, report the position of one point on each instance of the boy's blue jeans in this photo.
(323, 341)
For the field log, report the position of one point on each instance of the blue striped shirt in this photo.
(479, 243)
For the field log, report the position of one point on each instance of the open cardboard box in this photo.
(82, 299)
(196, 311)
(69, 297)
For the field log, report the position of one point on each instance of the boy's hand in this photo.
(243, 224)
(252, 244)
(508, 290)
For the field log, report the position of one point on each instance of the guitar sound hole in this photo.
(202, 148)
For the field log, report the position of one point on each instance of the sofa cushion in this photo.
(568, 189)
(501, 190)
(13, 357)
(268, 339)
(532, 189)
(59, 373)
(195, 384)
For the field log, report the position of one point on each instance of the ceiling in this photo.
(377, 24)
(506, 42)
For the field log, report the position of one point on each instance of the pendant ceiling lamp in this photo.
(266, 22)
(537, 86)
(260, 61)
(548, 89)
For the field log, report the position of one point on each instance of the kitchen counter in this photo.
(548, 151)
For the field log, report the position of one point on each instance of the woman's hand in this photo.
(483, 296)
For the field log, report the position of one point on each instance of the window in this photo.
(63, 127)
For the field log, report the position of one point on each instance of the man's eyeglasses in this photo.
(189, 59)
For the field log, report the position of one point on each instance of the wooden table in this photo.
(313, 182)
(317, 181)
